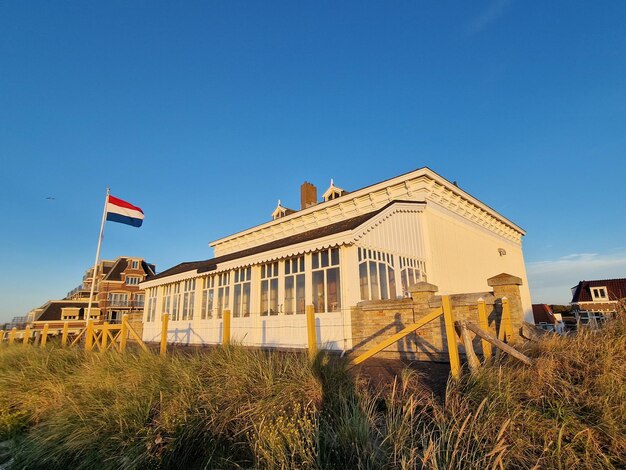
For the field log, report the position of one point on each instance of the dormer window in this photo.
(281, 211)
(134, 264)
(599, 294)
(333, 192)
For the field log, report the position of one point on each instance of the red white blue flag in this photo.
(123, 212)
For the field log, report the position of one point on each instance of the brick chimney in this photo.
(308, 195)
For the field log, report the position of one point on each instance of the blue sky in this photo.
(205, 113)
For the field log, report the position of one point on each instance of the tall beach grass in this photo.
(240, 408)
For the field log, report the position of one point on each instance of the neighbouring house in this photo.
(368, 244)
(119, 292)
(116, 293)
(546, 319)
(55, 313)
(595, 300)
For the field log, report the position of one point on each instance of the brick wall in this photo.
(375, 321)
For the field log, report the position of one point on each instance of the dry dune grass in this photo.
(238, 408)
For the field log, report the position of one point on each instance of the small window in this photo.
(599, 294)
(133, 281)
(134, 264)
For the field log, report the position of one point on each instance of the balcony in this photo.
(125, 303)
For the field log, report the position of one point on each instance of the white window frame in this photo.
(596, 291)
(322, 263)
(242, 291)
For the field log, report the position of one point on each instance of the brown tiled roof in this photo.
(332, 229)
(616, 289)
(542, 313)
(52, 310)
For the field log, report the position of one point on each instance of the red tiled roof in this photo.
(542, 313)
(616, 289)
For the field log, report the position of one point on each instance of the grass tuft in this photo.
(241, 408)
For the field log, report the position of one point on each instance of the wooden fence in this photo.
(114, 337)
(92, 337)
(462, 329)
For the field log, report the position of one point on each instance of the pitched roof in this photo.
(542, 313)
(121, 264)
(616, 289)
(320, 232)
(116, 272)
(52, 310)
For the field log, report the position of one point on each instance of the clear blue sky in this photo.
(205, 113)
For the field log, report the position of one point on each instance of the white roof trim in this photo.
(422, 172)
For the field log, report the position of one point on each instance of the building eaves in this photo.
(309, 235)
(419, 172)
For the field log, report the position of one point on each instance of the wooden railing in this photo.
(463, 329)
(98, 337)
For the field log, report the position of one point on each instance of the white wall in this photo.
(462, 255)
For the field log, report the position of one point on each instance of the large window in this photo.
(175, 301)
(138, 300)
(241, 294)
(223, 293)
(376, 275)
(167, 299)
(188, 298)
(411, 272)
(152, 304)
(294, 285)
(208, 291)
(269, 289)
(326, 280)
(117, 299)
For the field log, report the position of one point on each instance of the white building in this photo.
(363, 245)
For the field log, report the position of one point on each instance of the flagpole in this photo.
(95, 265)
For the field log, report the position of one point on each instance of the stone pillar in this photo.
(507, 285)
(421, 294)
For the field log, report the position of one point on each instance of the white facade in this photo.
(368, 244)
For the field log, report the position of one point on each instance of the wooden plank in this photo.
(484, 324)
(164, 324)
(398, 336)
(311, 330)
(453, 349)
(134, 334)
(497, 343)
(472, 359)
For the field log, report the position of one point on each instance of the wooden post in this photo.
(12, 335)
(89, 336)
(164, 321)
(104, 337)
(226, 328)
(499, 344)
(453, 351)
(64, 334)
(26, 335)
(44, 335)
(124, 333)
(311, 330)
(472, 359)
(483, 321)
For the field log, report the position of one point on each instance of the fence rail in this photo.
(100, 337)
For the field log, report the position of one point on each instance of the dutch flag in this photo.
(123, 212)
